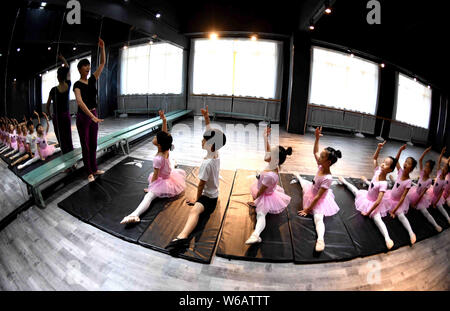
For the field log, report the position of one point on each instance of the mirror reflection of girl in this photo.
(396, 200)
(441, 183)
(417, 195)
(318, 198)
(368, 202)
(44, 150)
(87, 119)
(164, 182)
(267, 195)
(59, 97)
(11, 142)
(14, 142)
(22, 139)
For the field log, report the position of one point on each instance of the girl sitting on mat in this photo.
(10, 142)
(369, 202)
(395, 201)
(14, 143)
(268, 197)
(165, 182)
(44, 150)
(416, 196)
(441, 183)
(208, 187)
(21, 139)
(318, 198)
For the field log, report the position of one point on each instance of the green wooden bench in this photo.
(135, 110)
(239, 114)
(42, 174)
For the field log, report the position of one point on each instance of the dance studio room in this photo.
(239, 146)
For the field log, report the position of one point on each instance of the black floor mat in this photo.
(240, 222)
(114, 195)
(338, 243)
(172, 218)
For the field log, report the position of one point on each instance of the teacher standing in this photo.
(87, 119)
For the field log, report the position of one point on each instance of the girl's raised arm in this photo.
(318, 133)
(422, 157)
(163, 118)
(398, 156)
(48, 122)
(377, 152)
(440, 158)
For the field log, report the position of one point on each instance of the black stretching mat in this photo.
(172, 218)
(338, 243)
(240, 222)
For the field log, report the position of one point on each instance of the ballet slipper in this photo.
(320, 245)
(99, 172)
(91, 178)
(439, 229)
(253, 239)
(413, 239)
(130, 219)
(389, 244)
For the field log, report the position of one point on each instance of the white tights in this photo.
(406, 224)
(11, 152)
(260, 223)
(18, 155)
(350, 187)
(35, 159)
(429, 218)
(318, 218)
(443, 212)
(144, 205)
(381, 226)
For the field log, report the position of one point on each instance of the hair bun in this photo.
(339, 154)
(289, 151)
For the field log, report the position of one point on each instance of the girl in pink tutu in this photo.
(318, 198)
(268, 197)
(417, 195)
(164, 182)
(441, 183)
(369, 202)
(11, 142)
(44, 149)
(14, 142)
(396, 201)
(21, 139)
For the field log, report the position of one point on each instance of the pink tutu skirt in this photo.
(325, 206)
(47, 151)
(22, 149)
(273, 203)
(432, 197)
(388, 204)
(363, 204)
(168, 187)
(413, 196)
(14, 145)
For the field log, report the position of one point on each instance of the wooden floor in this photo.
(48, 249)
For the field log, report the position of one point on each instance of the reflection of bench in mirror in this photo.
(36, 179)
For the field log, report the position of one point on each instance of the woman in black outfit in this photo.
(59, 95)
(87, 121)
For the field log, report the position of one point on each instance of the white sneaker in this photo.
(253, 239)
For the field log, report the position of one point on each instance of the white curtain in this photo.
(75, 74)
(413, 102)
(239, 67)
(343, 82)
(151, 69)
(49, 80)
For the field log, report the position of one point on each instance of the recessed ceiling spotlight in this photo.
(213, 36)
(18, 49)
(352, 55)
(125, 47)
(74, 48)
(311, 27)
(328, 10)
(158, 15)
(383, 65)
(43, 3)
(415, 79)
(429, 87)
(49, 48)
(40, 75)
(253, 38)
(14, 79)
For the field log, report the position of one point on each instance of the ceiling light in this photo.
(253, 38)
(415, 79)
(125, 47)
(74, 48)
(43, 3)
(14, 79)
(18, 49)
(213, 36)
(150, 42)
(49, 48)
(383, 65)
(429, 87)
(158, 15)
(328, 10)
(311, 27)
(352, 55)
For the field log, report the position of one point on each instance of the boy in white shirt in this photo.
(208, 187)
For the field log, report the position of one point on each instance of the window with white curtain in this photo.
(75, 74)
(50, 79)
(413, 102)
(344, 82)
(239, 67)
(151, 69)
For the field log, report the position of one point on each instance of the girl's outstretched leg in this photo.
(28, 163)
(382, 227)
(320, 229)
(431, 219)
(259, 227)
(407, 226)
(143, 206)
(349, 186)
(443, 212)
